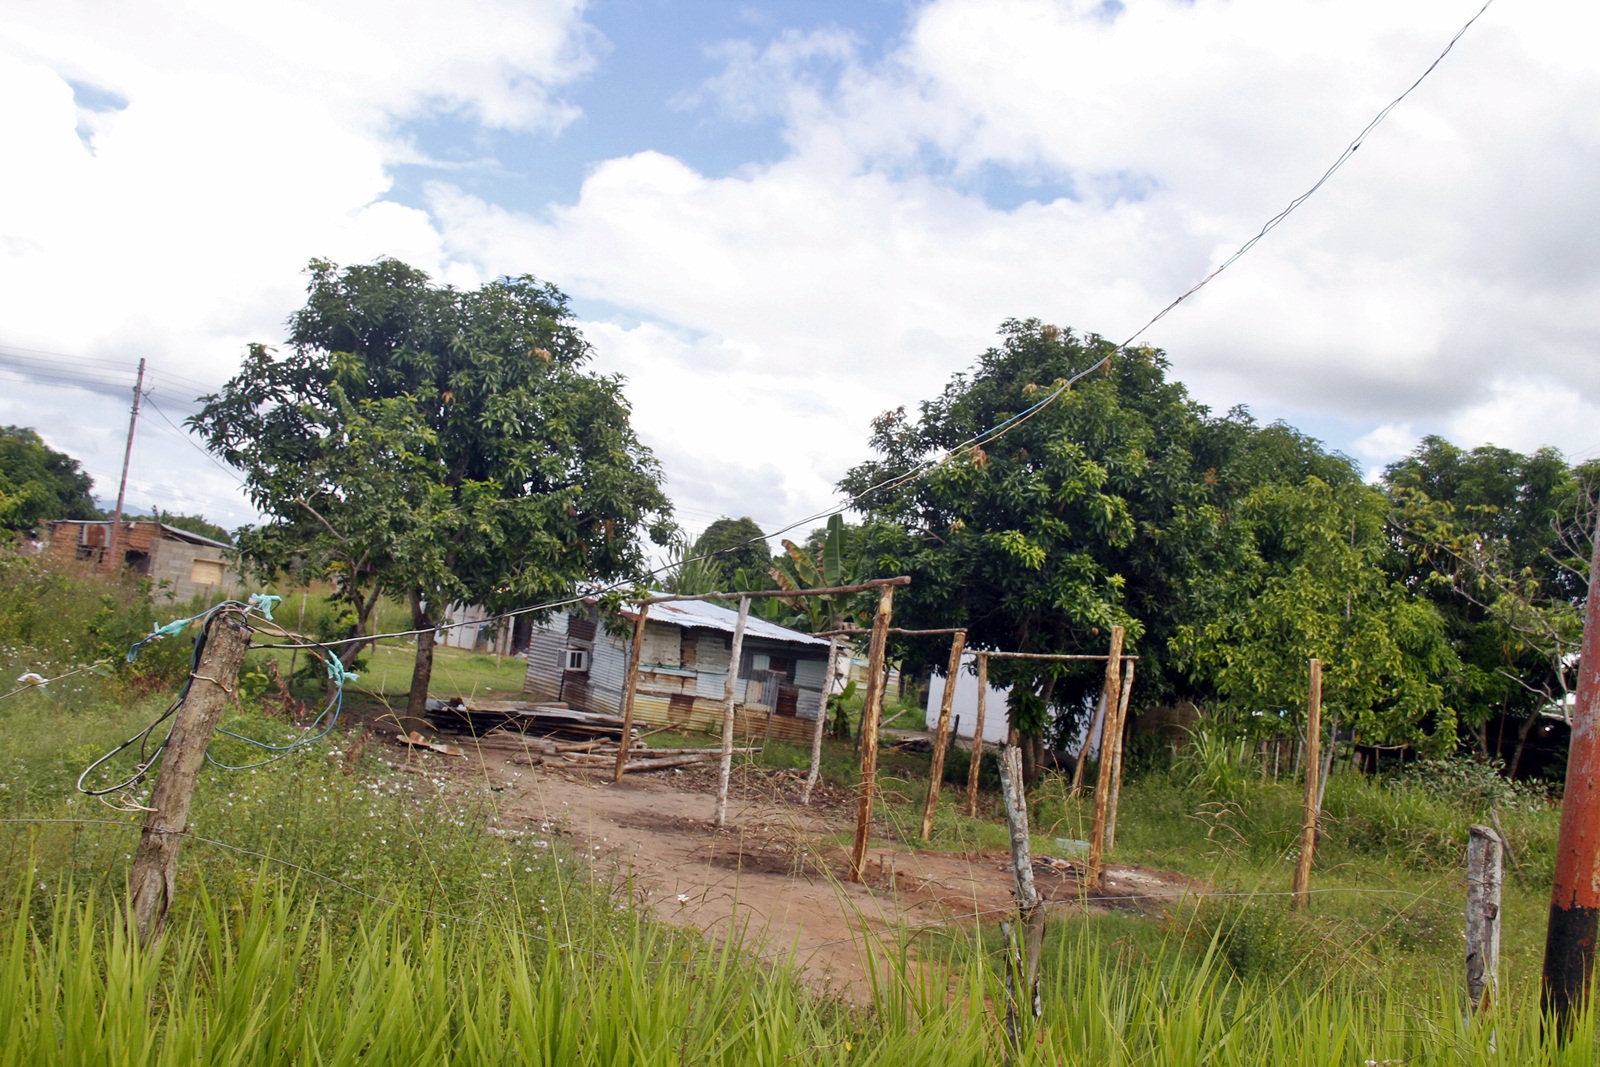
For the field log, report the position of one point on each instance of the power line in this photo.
(1344, 157)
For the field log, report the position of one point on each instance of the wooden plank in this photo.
(1308, 821)
(720, 816)
(977, 735)
(1485, 875)
(871, 709)
(1030, 909)
(152, 881)
(836, 590)
(1102, 789)
(630, 690)
(835, 646)
(941, 736)
(1116, 759)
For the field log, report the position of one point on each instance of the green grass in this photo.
(403, 919)
(456, 672)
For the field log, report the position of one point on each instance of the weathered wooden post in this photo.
(835, 646)
(977, 735)
(941, 736)
(734, 655)
(1485, 875)
(1308, 823)
(1116, 758)
(152, 880)
(1094, 736)
(1030, 909)
(1102, 789)
(630, 689)
(871, 709)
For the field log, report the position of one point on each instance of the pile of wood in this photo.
(479, 717)
(600, 754)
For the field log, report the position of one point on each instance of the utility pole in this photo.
(1575, 897)
(112, 537)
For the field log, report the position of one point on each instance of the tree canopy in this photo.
(736, 544)
(38, 484)
(438, 444)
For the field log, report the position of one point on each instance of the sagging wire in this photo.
(258, 604)
(33, 680)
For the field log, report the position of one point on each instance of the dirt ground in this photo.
(777, 872)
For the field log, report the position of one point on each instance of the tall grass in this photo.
(248, 979)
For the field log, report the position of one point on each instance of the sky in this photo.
(780, 219)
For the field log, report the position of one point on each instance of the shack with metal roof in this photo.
(683, 669)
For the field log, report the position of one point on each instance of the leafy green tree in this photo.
(1498, 541)
(38, 484)
(1111, 505)
(438, 444)
(1316, 584)
(736, 544)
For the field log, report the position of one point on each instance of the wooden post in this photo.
(871, 708)
(1308, 824)
(1484, 878)
(1030, 910)
(1097, 728)
(630, 688)
(834, 646)
(152, 880)
(1102, 789)
(1116, 759)
(977, 735)
(734, 655)
(941, 736)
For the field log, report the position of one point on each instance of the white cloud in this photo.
(1442, 282)
(172, 166)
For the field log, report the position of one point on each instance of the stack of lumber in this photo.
(475, 716)
(598, 754)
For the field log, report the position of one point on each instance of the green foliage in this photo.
(438, 444)
(1314, 585)
(735, 544)
(60, 616)
(1116, 504)
(38, 484)
(689, 572)
(1499, 543)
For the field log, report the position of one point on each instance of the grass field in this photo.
(333, 909)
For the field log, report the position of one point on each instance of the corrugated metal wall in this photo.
(608, 668)
(543, 680)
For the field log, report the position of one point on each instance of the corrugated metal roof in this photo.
(711, 616)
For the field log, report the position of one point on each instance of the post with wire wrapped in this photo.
(152, 880)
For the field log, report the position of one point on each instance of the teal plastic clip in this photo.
(264, 603)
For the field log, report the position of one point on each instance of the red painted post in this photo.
(1575, 897)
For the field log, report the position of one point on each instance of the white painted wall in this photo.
(966, 703)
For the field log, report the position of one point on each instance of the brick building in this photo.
(190, 565)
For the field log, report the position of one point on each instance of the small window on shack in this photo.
(206, 572)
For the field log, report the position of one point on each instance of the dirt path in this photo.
(777, 872)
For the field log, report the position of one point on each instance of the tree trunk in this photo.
(1522, 741)
(422, 671)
